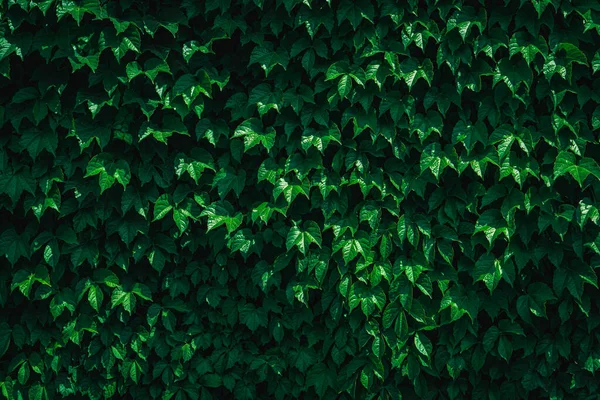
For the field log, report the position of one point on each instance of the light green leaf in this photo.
(344, 86)
(162, 206)
(109, 171)
(351, 249)
(423, 344)
(431, 158)
(253, 133)
(222, 213)
(95, 297)
(565, 162)
(303, 237)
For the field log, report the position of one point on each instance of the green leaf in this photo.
(142, 291)
(572, 53)
(37, 392)
(469, 134)
(566, 163)
(321, 377)
(222, 213)
(423, 344)
(95, 297)
(24, 373)
(15, 183)
(34, 141)
(488, 270)
(490, 338)
(351, 249)
(344, 86)
(170, 125)
(5, 333)
(265, 99)
(355, 12)
(125, 299)
(109, 171)
(304, 358)
(252, 317)
(243, 241)
(336, 70)
(195, 164)
(432, 158)
(135, 371)
(303, 237)
(505, 348)
(189, 87)
(253, 133)
(268, 58)
(596, 62)
(290, 190)
(162, 206)
(13, 245)
(227, 179)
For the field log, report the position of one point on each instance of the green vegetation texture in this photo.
(299, 199)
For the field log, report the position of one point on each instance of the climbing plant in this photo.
(276, 199)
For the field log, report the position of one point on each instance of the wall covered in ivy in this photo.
(281, 199)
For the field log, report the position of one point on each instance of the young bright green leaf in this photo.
(253, 133)
(162, 206)
(302, 237)
(222, 213)
(109, 171)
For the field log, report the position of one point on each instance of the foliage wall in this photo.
(299, 199)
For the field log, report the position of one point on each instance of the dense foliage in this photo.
(299, 199)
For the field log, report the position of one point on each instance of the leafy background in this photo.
(299, 199)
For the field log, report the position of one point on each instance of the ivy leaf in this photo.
(95, 297)
(355, 12)
(488, 270)
(195, 164)
(321, 377)
(191, 86)
(14, 183)
(423, 344)
(227, 179)
(222, 213)
(432, 158)
(34, 141)
(505, 348)
(303, 237)
(566, 163)
(14, 245)
(253, 133)
(469, 134)
(344, 86)
(268, 58)
(109, 171)
(290, 190)
(351, 249)
(162, 206)
(528, 47)
(5, 334)
(337, 69)
(252, 317)
(411, 71)
(265, 99)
